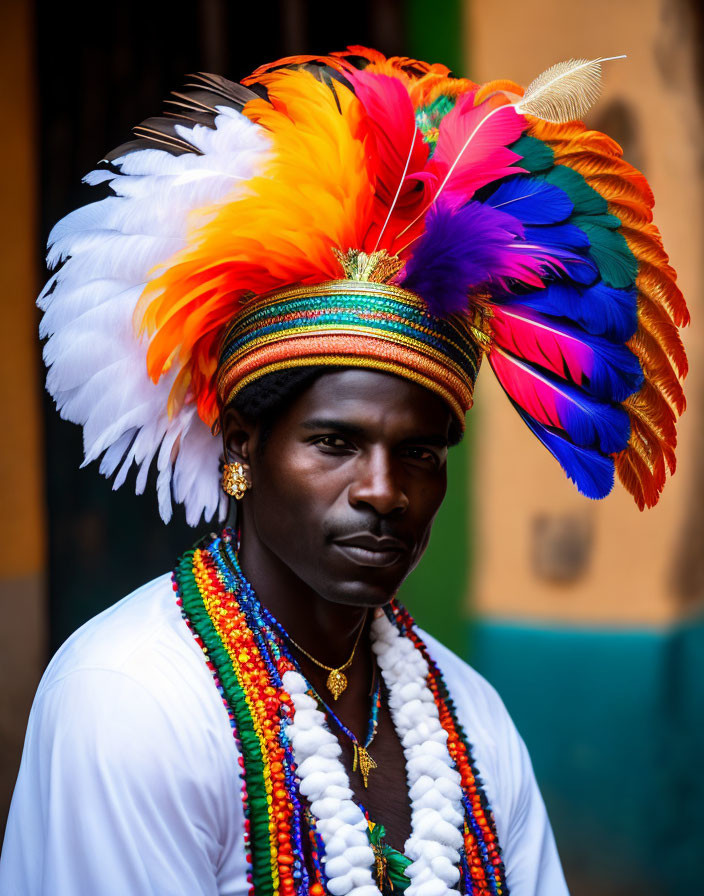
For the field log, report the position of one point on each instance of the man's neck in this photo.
(325, 629)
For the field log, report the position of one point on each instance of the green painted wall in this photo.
(436, 592)
(614, 723)
(434, 32)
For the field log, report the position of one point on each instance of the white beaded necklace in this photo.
(433, 783)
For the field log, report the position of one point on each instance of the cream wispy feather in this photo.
(565, 91)
(97, 366)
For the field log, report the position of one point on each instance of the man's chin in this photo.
(372, 591)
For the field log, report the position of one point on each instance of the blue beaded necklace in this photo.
(362, 759)
(273, 638)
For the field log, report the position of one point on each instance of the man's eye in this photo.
(334, 442)
(424, 455)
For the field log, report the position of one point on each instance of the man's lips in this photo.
(366, 549)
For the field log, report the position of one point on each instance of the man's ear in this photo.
(238, 434)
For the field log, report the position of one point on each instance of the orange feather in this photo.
(424, 81)
(615, 188)
(500, 85)
(630, 215)
(661, 288)
(657, 367)
(655, 320)
(315, 194)
(644, 480)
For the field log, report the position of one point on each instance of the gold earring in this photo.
(234, 482)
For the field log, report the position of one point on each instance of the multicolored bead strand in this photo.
(248, 654)
(481, 841)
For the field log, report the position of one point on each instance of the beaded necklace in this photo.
(362, 758)
(302, 827)
(361, 751)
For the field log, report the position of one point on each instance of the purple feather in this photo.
(471, 248)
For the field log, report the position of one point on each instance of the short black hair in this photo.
(265, 399)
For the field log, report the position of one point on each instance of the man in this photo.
(319, 265)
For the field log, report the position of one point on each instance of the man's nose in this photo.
(378, 484)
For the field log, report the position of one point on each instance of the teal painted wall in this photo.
(614, 722)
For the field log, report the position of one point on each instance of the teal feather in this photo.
(585, 199)
(612, 222)
(609, 250)
(537, 156)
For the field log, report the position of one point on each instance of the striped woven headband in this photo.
(353, 324)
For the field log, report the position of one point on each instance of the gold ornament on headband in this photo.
(234, 482)
(376, 267)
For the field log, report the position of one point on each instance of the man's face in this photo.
(345, 490)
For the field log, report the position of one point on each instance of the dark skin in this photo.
(342, 499)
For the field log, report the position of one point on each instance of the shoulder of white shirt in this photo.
(149, 621)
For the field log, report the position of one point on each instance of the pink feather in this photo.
(604, 369)
(584, 420)
(541, 341)
(472, 148)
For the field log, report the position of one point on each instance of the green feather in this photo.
(585, 199)
(609, 250)
(428, 117)
(395, 862)
(376, 833)
(609, 221)
(537, 156)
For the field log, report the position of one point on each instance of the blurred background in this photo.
(587, 617)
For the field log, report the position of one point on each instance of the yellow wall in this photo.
(526, 506)
(22, 546)
(20, 461)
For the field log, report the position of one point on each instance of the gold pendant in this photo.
(337, 682)
(366, 763)
(380, 863)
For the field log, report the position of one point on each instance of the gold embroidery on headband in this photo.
(377, 267)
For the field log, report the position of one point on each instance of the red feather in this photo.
(400, 154)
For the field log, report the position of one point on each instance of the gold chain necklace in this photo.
(337, 680)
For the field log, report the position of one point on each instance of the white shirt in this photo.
(129, 783)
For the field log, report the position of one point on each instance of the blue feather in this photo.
(532, 201)
(591, 472)
(570, 244)
(587, 421)
(590, 423)
(615, 371)
(561, 236)
(600, 309)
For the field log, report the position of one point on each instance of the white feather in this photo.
(565, 91)
(115, 453)
(110, 249)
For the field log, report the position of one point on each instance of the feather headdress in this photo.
(456, 217)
